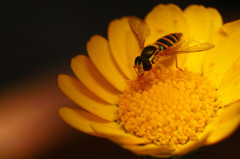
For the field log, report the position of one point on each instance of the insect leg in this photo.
(177, 64)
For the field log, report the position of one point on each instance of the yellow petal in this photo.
(120, 35)
(99, 52)
(77, 92)
(202, 23)
(229, 89)
(93, 80)
(165, 19)
(216, 21)
(150, 149)
(116, 135)
(228, 120)
(80, 119)
(227, 50)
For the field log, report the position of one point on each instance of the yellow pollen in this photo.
(168, 107)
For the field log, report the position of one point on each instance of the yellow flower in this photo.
(170, 112)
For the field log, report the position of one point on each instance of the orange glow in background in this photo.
(39, 41)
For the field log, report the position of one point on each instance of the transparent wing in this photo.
(188, 46)
(140, 29)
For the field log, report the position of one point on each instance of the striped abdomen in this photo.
(168, 40)
(150, 52)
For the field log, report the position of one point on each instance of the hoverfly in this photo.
(169, 45)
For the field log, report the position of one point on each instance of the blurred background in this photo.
(38, 40)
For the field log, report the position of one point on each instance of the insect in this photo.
(169, 45)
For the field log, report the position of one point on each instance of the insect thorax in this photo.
(149, 51)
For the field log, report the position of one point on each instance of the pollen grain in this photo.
(168, 107)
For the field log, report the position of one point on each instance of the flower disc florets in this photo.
(168, 107)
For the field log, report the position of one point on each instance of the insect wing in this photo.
(140, 29)
(189, 46)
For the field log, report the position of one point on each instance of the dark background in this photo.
(40, 35)
(36, 35)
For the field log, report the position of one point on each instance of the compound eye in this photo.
(146, 64)
(138, 60)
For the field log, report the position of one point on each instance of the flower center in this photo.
(168, 106)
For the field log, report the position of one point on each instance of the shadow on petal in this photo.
(116, 135)
(150, 149)
(228, 120)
